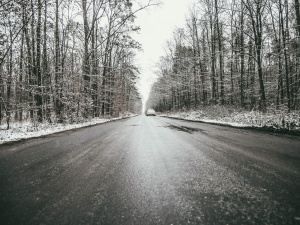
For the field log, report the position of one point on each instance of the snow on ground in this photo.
(25, 130)
(271, 120)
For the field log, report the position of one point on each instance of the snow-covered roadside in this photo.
(26, 130)
(271, 121)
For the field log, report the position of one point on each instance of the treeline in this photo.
(241, 53)
(62, 60)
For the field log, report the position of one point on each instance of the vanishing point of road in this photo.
(152, 170)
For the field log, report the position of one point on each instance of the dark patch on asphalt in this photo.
(189, 130)
(133, 125)
(265, 129)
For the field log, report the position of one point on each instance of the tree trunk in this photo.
(220, 49)
(57, 65)
(256, 14)
(46, 80)
(39, 99)
(242, 54)
(286, 60)
(86, 64)
(213, 60)
(297, 12)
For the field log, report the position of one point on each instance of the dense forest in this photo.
(239, 53)
(64, 60)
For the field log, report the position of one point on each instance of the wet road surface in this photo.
(151, 170)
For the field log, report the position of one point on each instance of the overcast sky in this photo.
(157, 26)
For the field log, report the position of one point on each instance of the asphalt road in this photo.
(151, 170)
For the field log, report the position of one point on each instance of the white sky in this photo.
(157, 26)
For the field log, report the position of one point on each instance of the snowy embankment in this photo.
(274, 120)
(24, 130)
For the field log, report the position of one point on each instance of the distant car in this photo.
(150, 112)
